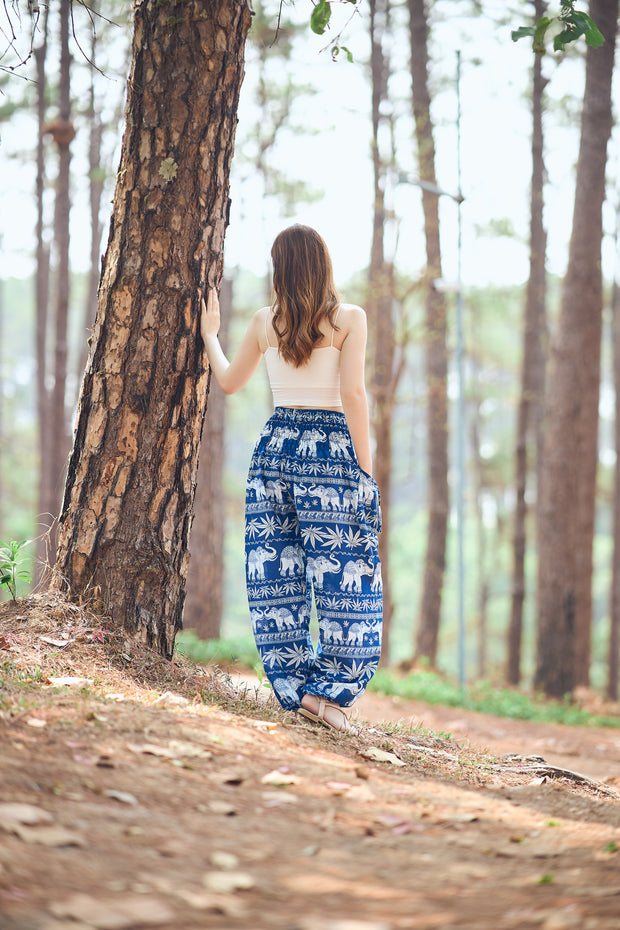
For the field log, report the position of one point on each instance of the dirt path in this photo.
(125, 807)
(593, 751)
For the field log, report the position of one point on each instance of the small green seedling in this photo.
(10, 560)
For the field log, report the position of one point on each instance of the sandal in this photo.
(319, 717)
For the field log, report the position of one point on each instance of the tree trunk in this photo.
(566, 517)
(95, 190)
(533, 367)
(379, 305)
(130, 487)
(204, 604)
(1, 406)
(436, 356)
(481, 547)
(46, 505)
(613, 658)
(63, 133)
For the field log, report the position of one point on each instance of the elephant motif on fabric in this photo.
(256, 617)
(256, 561)
(329, 497)
(291, 561)
(339, 445)
(377, 582)
(283, 617)
(308, 441)
(356, 633)
(285, 688)
(320, 566)
(257, 485)
(332, 632)
(281, 433)
(274, 490)
(367, 487)
(352, 574)
(349, 500)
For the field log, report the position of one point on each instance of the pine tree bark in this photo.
(436, 355)
(130, 488)
(531, 398)
(567, 501)
(380, 312)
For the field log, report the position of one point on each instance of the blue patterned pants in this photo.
(312, 523)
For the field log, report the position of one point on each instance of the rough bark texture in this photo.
(567, 503)
(130, 487)
(205, 579)
(436, 356)
(380, 313)
(532, 368)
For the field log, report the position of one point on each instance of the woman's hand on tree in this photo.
(210, 315)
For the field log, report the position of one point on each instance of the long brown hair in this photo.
(303, 291)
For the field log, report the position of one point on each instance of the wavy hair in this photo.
(303, 291)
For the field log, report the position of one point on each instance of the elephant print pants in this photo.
(311, 525)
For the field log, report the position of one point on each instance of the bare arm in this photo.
(231, 376)
(353, 388)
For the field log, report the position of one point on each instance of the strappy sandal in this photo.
(319, 717)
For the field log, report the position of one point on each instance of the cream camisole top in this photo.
(315, 384)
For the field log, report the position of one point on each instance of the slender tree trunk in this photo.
(436, 356)
(2, 438)
(613, 658)
(130, 487)
(379, 304)
(63, 133)
(566, 518)
(204, 604)
(46, 505)
(481, 547)
(95, 190)
(533, 366)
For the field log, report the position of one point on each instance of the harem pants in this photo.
(312, 524)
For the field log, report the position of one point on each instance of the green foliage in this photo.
(319, 22)
(481, 696)
(321, 16)
(336, 49)
(547, 879)
(10, 561)
(611, 847)
(238, 650)
(573, 24)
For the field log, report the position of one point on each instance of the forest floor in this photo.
(138, 793)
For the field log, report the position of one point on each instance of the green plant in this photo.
(240, 650)
(10, 560)
(432, 688)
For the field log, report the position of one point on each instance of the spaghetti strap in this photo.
(266, 333)
(334, 324)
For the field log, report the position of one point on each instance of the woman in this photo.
(312, 508)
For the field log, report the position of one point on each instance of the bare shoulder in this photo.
(351, 319)
(259, 326)
(351, 315)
